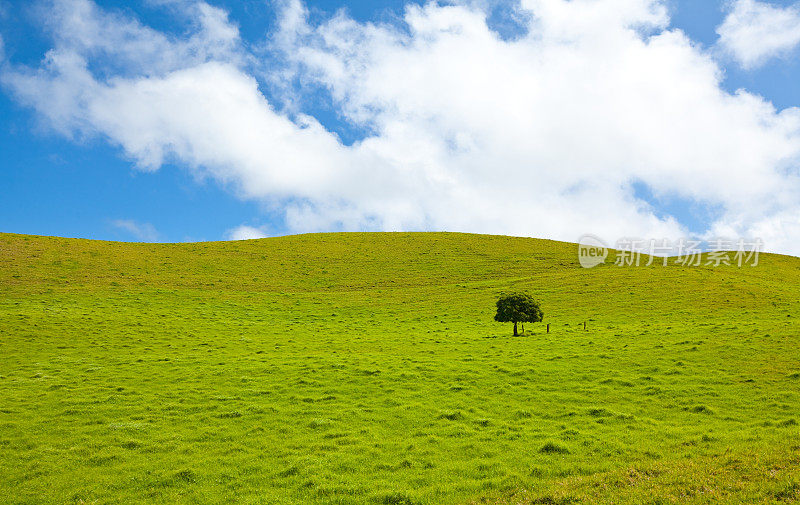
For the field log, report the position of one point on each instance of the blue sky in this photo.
(84, 178)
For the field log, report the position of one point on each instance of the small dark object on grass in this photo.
(553, 448)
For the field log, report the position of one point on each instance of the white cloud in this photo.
(543, 135)
(754, 32)
(114, 43)
(144, 232)
(245, 232)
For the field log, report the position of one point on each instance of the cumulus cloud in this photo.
(754, 32)
(144, 232)
(245, 232)
(545, 135)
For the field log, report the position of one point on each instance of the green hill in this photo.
(367, 369)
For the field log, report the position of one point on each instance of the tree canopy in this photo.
(518, 308)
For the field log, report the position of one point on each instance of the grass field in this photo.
(367, 369)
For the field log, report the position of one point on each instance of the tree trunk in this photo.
(515, 329)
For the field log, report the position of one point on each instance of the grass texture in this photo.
(367, 369)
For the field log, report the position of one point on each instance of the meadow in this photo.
(367, 369)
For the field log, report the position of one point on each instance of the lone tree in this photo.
(518, 308)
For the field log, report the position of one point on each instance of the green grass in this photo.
(366, 369)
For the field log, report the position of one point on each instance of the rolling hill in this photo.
(366, 368)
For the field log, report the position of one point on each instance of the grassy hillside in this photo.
(366, 369)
